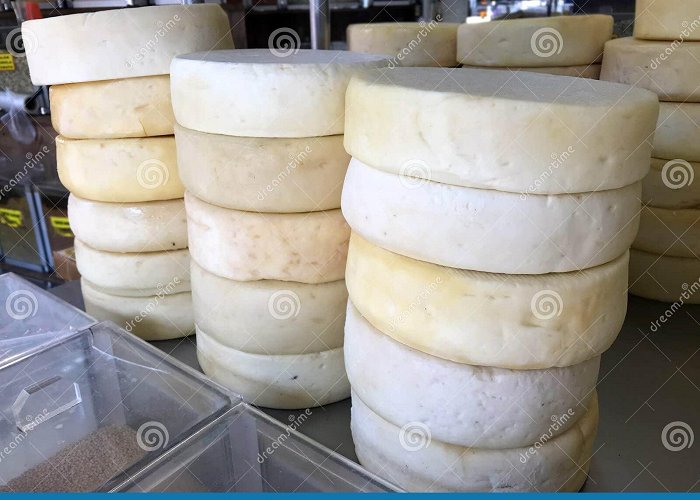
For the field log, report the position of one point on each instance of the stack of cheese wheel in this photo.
(110, 100)
(260, 152)
(422, 44)
(561, 45)
(485, 280)
(664, 57)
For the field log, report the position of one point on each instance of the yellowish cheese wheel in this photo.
(677, 131)
(667, 20)
(591, 71)
(269, 174)
(675, 233)
(664, 278)
(673, 184)
(112, 109)
(120, 170)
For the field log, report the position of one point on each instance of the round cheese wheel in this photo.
(555, 134)
(664, 278)
(119, 170)
(667, 20)
(289, 382)
(134, 274)
(256, 92)
(677, 131)
(469, 228)
(129, 227)
(672, 184)
(408, 44)
(112, 109)
(160, 317)
(462, 404)
(120, 43)
(270, 175)
(675, 233)
(411, 458)
(506, 321)
(586, 71)
(670, 69)
(267, 316)
(247, 246)
(542, 41)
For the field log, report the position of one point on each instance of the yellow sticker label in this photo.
(7, 62)
(11, 218)
(61, 226)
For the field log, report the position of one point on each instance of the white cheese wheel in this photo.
(670, 69)
(486, 230)
(247, 246)
(506, 321)
(129, 227)
(408, 44)
(667, 20)
(267, 316)
(664, 278)
(585, 71)
(672, 184)
(411, 458)
(555, 134)
(120, 43)
(134, 274)
(675, 233)
(112, 109)
(677, 131)
(283, 381)
(256, 92)
(542, 41)
(270, 175)
(160, 317)
(120, 170)
(462, 404)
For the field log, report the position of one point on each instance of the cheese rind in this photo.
(255, 93)
(664, 278)
(267, 316)
(414, 460)
(462, 404)
(408, 44)
(667, 20)
(544, 41)
(669, 69)
(120, 43)
(151, 226)
(672, 184)
(504, 321)
(417, 122)
(283, 381)
(120, 170)
(677, 131)
(112, 109)
(468, 228)
(159, 317)
(270, 174)
(585, 71)
(675, 233)
(247, 246)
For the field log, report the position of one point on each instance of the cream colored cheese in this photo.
(267, 316)
(505, 321)
(468, 228)
(675, 233)
(129, 227)
(667, 20)
(585, 71)
(266, 92)
(119, 170)
(677, 131)
(672, 184)
(287, 382)
(555, 134)
(247, 246)
(120, 43)
(269, 175)
(664, 278)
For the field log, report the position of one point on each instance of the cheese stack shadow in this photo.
(558, 45)
(491, 223)
(664, 57)
(110, 103)
(260, 151)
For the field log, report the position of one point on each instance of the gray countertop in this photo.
(649, 381)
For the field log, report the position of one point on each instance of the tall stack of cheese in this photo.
(560, 45)
(110, 100)
(260, 151)
(487, 270)
(664, 57)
